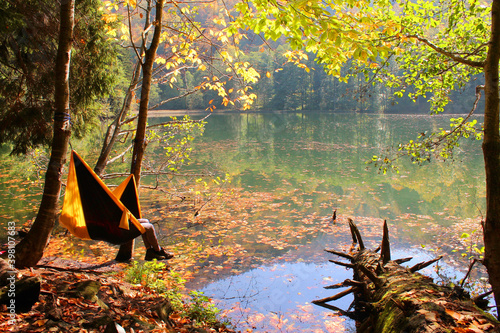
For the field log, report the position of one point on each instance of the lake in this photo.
(257, 248)
(289, 172)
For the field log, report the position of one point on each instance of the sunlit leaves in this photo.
(334, 31)
(189, 45)
(442, 46)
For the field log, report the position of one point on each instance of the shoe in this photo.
(123, 258)
(152, 254)
(158, 255)
(167, 255)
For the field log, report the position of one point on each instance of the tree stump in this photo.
(21, 295)
(393, 298)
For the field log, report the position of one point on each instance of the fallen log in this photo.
(389, 297)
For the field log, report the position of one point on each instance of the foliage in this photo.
(201, 309)
(441, 46)
(197, 306)
(334, 31)
(176, 139)
(438, 46)
(438, 145)
(28, 46)
(147, 274)
(192, 42)
(420, 49)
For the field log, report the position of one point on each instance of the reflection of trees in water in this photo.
(329, 150)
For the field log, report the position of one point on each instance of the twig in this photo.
(334, 308)
(402, 260)
(336, 296)
(340, 254)
(422, 265)
(340, 263)
(468, 272)
(477, 64)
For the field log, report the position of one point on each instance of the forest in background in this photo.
(287, 87)
(284, 85)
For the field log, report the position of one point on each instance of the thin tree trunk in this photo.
(491, 152)
(115, 127)
(126, 250)
(30, 250)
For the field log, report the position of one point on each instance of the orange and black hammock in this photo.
(92, 211)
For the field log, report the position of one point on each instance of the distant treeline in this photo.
(285, 87)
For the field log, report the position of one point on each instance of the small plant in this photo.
(200, 309)
(147, 275)
(175, 284)
(197, 307)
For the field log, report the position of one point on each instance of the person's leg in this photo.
(153, 249)
(149, 237)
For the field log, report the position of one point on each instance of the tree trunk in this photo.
(115, 127)
(30, 250)
(126, 250)
(491, 153)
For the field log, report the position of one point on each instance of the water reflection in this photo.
(309, 164)
(276, 297)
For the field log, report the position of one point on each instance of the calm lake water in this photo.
(289, 171)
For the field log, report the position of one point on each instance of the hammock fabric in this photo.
(92, 211)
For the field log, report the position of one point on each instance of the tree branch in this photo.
(454, 57)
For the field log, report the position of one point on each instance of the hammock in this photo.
(92, 211)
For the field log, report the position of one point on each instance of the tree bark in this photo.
(126, 250)
(392, 298)
(114, 129)
(30, 250)
(491, 153)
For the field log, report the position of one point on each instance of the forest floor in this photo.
(63, 306)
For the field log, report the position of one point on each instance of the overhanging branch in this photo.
(477, 64)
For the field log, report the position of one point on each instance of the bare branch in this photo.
(340, 263)
(173, 99)
(422, 265)
(355, 230)
(336, 296)
(340, 254)
(139, 58)
(162, 78)
(403, 260)
(154, 173)
(453, 56)
(119, 156)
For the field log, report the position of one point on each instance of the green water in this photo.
(289, 171)
(316, 163)
(304, 166)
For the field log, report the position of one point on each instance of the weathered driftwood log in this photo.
(392, 298)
